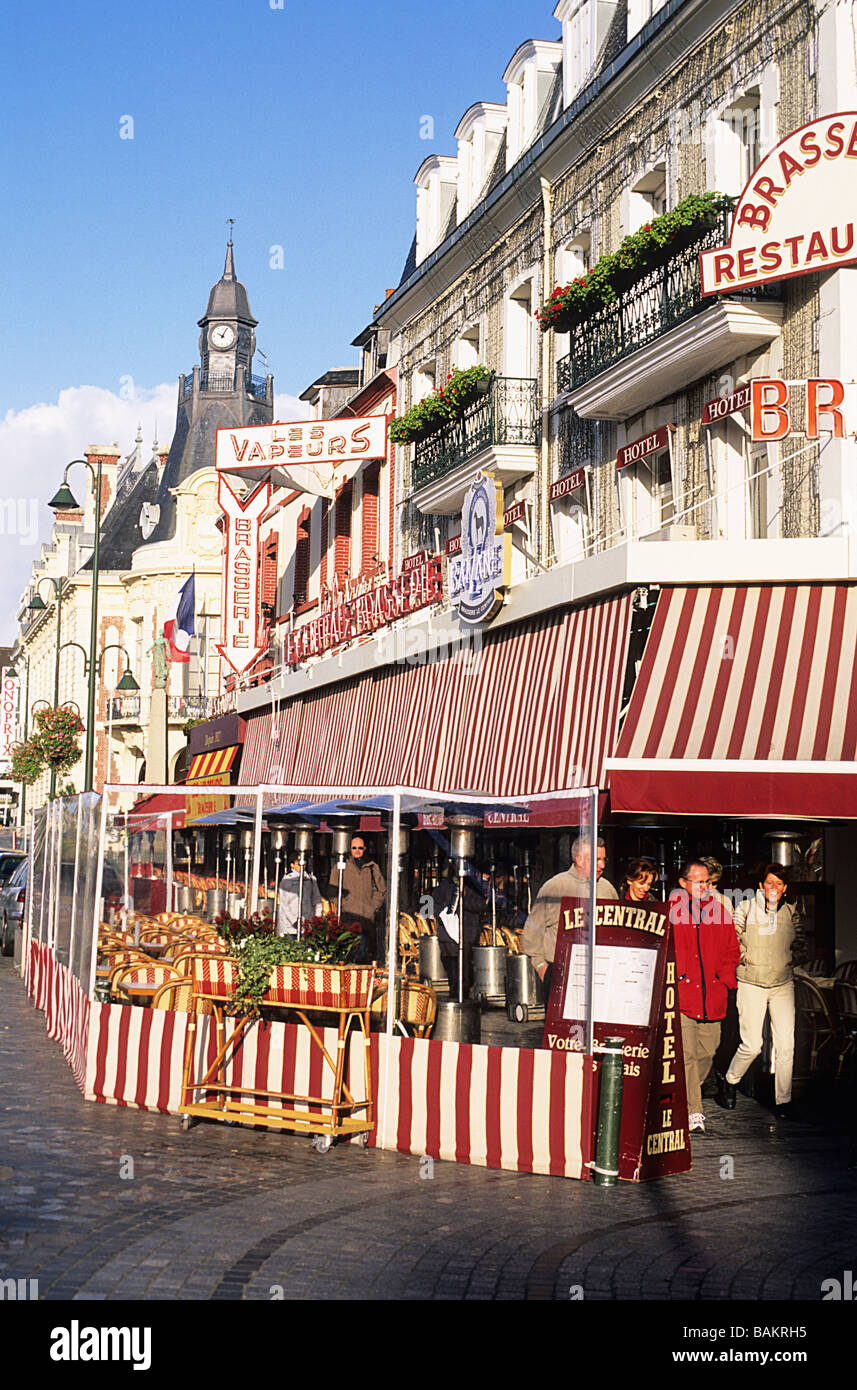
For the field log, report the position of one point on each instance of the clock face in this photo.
(149, 518)
(221, 335)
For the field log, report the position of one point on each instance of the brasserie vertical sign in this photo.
(241, 578)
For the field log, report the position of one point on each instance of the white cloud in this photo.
(36, 444)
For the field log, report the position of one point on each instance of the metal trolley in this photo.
(342, 991)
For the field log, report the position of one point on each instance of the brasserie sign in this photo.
(365, 613)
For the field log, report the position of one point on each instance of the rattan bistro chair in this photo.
(152, 974)
(845, 995)
(846, 971)
(178, 995)
(814, 1011)
(416, 1005)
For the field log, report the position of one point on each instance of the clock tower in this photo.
(219, 392)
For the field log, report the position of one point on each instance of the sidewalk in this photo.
(105, 1203)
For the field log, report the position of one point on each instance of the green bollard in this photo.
(605, 1169)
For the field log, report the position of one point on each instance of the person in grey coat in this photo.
(289, 913)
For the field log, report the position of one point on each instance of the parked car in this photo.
(10, 859)
(12, 894)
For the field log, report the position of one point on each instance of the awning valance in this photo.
(212, 767)
(745, 704)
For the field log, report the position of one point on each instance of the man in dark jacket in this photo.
(447, 910)
(707, 954)
(363, 893)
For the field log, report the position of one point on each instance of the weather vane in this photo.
(230, 223)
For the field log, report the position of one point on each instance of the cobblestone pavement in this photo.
(99, 1202)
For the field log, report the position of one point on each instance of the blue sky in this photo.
(302, 123)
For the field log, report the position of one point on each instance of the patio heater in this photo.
(489, 962)
(279, 841)
(303, 844)
(458, 1019)
(230, 843)
(247, 846)
(184, 895)
(341, 846)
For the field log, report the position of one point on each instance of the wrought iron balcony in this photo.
(507, 414)
(225, 383)
(661, 299)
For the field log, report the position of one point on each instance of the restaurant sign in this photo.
(368, 611)
(314, 456)
(796, 213)
(478, 576)
(241, 579)
(635, 999)
(818, 404)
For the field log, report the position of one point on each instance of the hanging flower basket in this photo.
(56, 738)
(27, 763)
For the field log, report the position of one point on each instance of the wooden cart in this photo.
(342, 991)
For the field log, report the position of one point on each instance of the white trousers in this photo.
(753, 1003)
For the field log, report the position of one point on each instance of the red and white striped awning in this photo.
(333, 733)
(270, 748)
(745, 704)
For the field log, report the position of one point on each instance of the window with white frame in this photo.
(529, 79)
(518, 337)
(573, 259)
(436, 181)
(646, 200)
(423, 381)
(737, 142)
(584, 28)
(639, 14)
(762, 493)
(466, 348)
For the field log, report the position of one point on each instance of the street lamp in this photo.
(126, 683)
(64, 501)
(14, 669)
(38, 605)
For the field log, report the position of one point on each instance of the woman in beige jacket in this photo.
(770, 933)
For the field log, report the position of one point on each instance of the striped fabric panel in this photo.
(384, 752)
(511, 714)
(590, 692)
(756, 672)
(256, 755)
(437, 717)
(333, 733)
(320, 986)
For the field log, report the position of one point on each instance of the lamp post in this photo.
(38, 605)
(64, 501)
(126, 683)
(15, 666)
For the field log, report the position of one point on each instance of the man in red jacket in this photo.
(707, 955)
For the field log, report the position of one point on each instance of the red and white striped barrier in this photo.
(517, 1109)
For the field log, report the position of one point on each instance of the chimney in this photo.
(109, 454)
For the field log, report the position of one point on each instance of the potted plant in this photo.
(281, 969)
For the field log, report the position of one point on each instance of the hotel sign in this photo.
(797, 212)
(641, 448)
(482, 571)
(563, 487)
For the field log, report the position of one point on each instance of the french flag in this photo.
(179, 626)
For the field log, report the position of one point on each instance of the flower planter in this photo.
(320, 986)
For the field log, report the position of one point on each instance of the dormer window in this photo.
(479, 134)
(639, 14)
(584, 28)
(529, 80)
(436, 181)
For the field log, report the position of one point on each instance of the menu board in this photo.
(635, 998)
(624, 979)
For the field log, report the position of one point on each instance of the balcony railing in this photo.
(659, 300)
(226, 382)
(179, 707)
(507, 414)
